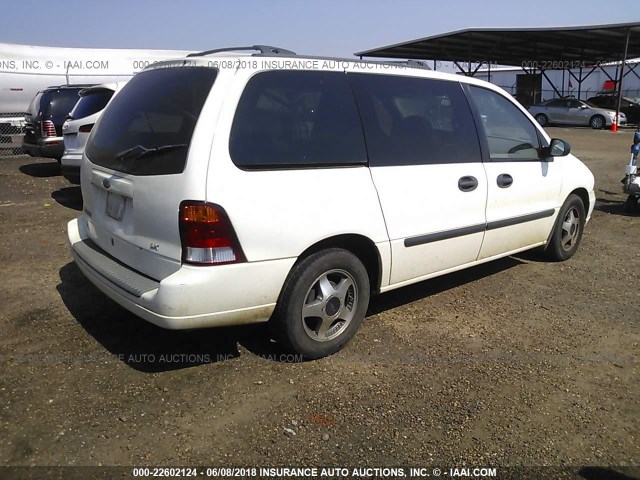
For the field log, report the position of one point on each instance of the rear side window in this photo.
(90, 103)
(415, 121)
(509, 132)
(61, 103)
(147, 128)
(600, 102)
(34, 106)
(289, 119)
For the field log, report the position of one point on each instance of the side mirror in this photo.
(583, 107)
(557, 148)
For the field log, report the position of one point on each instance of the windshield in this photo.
(90, 103)
(147, 127)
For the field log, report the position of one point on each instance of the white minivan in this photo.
(227, 188)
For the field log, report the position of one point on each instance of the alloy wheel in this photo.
(329, 305)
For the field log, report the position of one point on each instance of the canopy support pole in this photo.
(544, 74)
(624, 61)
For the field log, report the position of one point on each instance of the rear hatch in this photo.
(133, 177)
(51, 105)
(60, 105)
(83, 116)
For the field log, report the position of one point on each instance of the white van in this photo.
(226, 189)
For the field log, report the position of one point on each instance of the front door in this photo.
(523, 190)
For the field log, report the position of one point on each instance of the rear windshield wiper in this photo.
(140, 152)
(130, 152)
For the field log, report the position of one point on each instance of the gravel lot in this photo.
(517, 362)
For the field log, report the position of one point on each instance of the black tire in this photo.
(567, 232)
(597, 122)
(542, 119)
(631, 204)
(342, 314)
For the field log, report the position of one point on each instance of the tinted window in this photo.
(147, 128)
(602, 102)
(412, 121)
(92, 102)
(557, 103)
(34, 106)
(61, 102)
(289, 119)
(509, 132)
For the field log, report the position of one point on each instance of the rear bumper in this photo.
(52, 147)
(192, 297)
(70, 166)
(72, 159)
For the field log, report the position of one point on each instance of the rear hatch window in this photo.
(147, 128)
(90, 103)
(60, 103)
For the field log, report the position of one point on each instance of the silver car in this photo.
(570, 111)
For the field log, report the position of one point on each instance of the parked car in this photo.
(569, 111)
(80, 121)
(43, 121)
(224, 196)
(628, 106)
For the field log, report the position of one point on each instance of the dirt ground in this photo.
(517, 362)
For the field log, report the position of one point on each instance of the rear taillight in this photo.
(48, 128)
(86, 128)
(207, 236)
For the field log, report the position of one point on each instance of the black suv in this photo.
(610, 101)
(44, 119)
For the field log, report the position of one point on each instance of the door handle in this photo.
(504, 180)
(468, 184)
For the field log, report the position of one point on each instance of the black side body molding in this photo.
(460, 232)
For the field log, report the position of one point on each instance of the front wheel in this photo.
(322, 304)
(567, 231)
(542, 119)
(597, 122)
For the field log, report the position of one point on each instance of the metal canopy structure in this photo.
(589, 45)
(532, 49)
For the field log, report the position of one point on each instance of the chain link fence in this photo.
(11, 133)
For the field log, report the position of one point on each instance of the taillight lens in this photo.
(48, 128)
(86, 128)
(207, 236)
